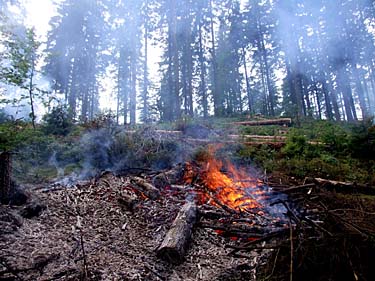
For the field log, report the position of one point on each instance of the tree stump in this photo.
(5, 177)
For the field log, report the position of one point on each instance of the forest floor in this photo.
(86, 233)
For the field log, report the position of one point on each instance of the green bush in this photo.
(362, 140)
(58, 122)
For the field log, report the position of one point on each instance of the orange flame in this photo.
(234, 188)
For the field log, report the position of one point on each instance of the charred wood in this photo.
(148, 189)
(238, 230)
(128, 202)
(212, 215)
(32, 209)
(249, 245)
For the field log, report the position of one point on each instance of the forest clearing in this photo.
(213, 214)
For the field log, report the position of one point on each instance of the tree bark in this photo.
(175, 243)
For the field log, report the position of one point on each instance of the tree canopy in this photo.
(216, 58)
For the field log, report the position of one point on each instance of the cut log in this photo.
(258, 137)
(280, 121)
(275, 144)
(148, 189)
(175, 243)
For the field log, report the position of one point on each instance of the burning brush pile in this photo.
(177, 224)
(202, 220)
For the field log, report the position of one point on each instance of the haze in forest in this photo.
(161, 60)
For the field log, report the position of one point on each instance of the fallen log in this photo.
(294, 188)
(258, 137)
(340, 186)
(148, 189)
(175, 243)
(274, 144)
(279, 121)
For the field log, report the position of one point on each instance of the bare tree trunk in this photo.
(31, 94)
(250, 103)
(145, 114)
(327, 99)
(5, 177)
(360, 92)
(218, 110)
(202, 72)
(133, 91)
(175, 65)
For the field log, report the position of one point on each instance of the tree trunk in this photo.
(31, 94)
(176, 67)
(133, 76)
(360, 93)
(145, 113)
(202, 72)
(218, 110)
(271, 94)
(5, 177)
(72, 97)
(249, 99)
(344, 84)
(327, 99)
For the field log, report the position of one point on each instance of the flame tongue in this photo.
(233, 189)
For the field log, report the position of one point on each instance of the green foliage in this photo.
(362, 140)
(57, 122)
(263, 157)
(13, 134)
(323, 148)
(296, 145)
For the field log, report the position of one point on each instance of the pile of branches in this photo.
(333, 239)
